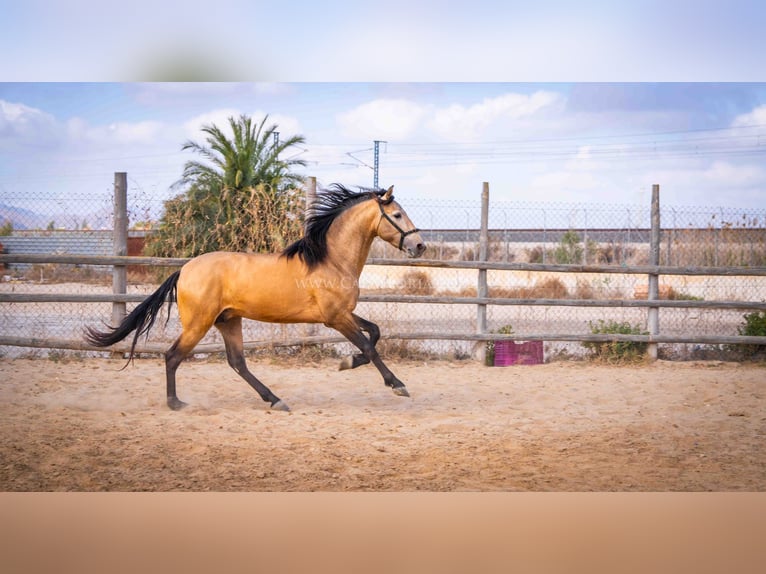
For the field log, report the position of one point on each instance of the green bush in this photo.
(569, 249)
(754, 326)
(616, 351)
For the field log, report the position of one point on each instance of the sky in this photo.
(558, 102)
(703, 143)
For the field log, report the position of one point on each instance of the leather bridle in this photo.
(402, 232)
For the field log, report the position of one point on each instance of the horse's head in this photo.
(396, 228)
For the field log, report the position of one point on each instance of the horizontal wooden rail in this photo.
(372, 297)
(669, 303)
(42, 258)
(560, 268)
(437, 263)
(425, 299)
(54, 343)
(81, 345)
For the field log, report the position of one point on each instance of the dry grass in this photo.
(62, 273)
(416, 282)
(550, 288)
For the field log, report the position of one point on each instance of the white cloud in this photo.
(458, 122)
(723, 174)
(286, 125)
(20, 124)
(756, 117)
(397, 119)
(385, 119)
(144, 132)
(97, 138)
(719, 177)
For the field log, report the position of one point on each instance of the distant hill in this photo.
(22, 218)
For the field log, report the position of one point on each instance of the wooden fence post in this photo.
(481, 290)
(310, 330)
(311, 193)
(653, 316)
(119, 272)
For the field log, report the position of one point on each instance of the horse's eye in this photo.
(396, 215)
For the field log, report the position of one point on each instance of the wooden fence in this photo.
(478, 333)
(481, 302)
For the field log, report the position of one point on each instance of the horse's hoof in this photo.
(176, 404)
(401, 391)
(280, 406)
(346, 363)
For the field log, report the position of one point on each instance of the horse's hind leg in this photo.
(231, 329)
(354, 361)
(174, 357)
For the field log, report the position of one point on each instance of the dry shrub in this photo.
(613, 253)
(584, 290)
(445, 251)
(468, 254)
(464, 292)
(551, 288)
(534, 254)
(416, 283)
(675, 295)
(401, 349)
(500, 252)
(68, 273)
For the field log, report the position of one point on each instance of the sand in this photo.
(86, 425)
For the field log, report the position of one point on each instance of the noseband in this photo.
(402, 233)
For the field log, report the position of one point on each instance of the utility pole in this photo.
(376, 164)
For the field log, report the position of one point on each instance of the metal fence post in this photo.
(585, 238)
(481, 291)
(653, 316)
(119, 272)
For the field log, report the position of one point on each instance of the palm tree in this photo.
(249, 158)
(242, 197)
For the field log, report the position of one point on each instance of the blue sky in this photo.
(704, 143)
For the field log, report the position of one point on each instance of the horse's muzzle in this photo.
(414, 248)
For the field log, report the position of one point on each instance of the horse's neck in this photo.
(349, 239)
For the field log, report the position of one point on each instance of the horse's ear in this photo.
(389, 194)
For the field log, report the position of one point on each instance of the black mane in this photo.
(329, 204)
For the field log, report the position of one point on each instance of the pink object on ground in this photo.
(512, 353)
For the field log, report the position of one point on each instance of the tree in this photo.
(242, 197)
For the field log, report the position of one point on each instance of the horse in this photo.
(313, 280)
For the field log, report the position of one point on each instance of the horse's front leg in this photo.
(359, 359)
(351, 329)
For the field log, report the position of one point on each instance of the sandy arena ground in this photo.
(84, 425)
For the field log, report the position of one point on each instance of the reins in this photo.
(402, 233)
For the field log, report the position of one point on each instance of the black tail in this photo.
(139, 320)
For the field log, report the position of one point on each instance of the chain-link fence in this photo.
(616, 236)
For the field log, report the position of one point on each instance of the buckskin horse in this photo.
(314, 280)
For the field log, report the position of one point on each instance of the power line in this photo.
(592, 137)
